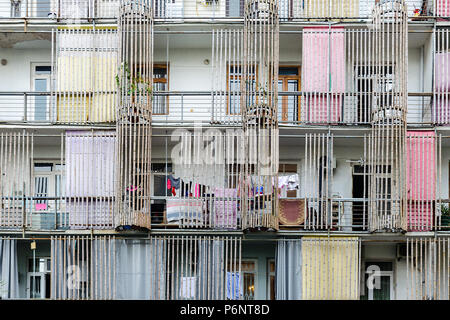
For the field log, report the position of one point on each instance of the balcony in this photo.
(173, 108)
(172, 10)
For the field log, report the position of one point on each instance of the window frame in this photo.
(36, 76)
(37, 274)
(284, 99)
(52, 205)
(255, 277)
(269, 275)
(298, 172)
(236, 77)
(369, 292)
(162, 80)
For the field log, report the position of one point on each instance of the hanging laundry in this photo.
(290, 182)
(173, 182)
(233, 287)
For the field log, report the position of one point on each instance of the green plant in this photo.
(445, 210)
(132, 85)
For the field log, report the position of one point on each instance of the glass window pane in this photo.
(159, 73)
(248, 266)
(288, 71)
(47, 286)
(43, 167)
(35, 286)
(160, 185)
(43, 69)
(40, 112)
(161, 167)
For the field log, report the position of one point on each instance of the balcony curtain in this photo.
(85, 73)
(82, 268)
(90, 179)
(442, 88)
(211, 269)
(443, 8)
(334, 8)
(330, 268)
(9, 273)
(323, 81)
(289, 270)
(141, 269)
(421, 179)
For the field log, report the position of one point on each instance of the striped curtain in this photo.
(421, 179)
(330, 268)
(323, 80)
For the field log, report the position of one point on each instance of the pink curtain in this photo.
(442, 87)
(225, 208)
(90, 178)
(421, 179)
(443, 8)
(323, 79)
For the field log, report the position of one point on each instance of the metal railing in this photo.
(347, 215)
(188, 107)
(315, 10)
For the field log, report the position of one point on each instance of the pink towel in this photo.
(41, 206)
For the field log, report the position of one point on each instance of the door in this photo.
(360, 182)
(379, 280)
(40, 83)
(48, 186)
(38, 278)
(288, 106)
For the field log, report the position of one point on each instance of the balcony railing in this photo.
(188, 107)
(216, 213)
(289, 10)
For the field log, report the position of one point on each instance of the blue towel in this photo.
(233, 288)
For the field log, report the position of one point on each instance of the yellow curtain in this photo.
(86, 85)
(74, 87)
(339, 8)
(103, 100)
(330, 268)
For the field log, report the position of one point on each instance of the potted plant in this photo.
(132, 88)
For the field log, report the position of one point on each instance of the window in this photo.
(234, 78)
(160, 174)
(290, 184)
(38, 278)
(48, 186)
(271, 279)
(360, 190)
(378, 280)
(41, 83)
(288, 80)
(40, 8)
(248, 268)
(160, 84)
(234, 8)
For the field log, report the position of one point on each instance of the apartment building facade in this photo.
(224, 149)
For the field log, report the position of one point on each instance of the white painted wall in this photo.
(16, 76)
